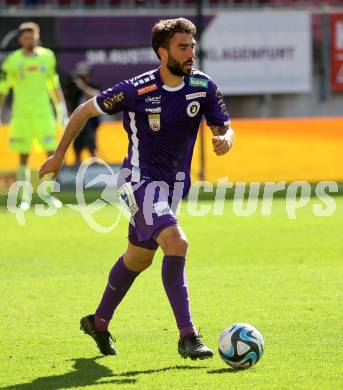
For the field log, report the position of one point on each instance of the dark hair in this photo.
(164, 30)
(28, 26)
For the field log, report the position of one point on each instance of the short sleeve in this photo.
(118, 98)
(5, 77)
(215, 110)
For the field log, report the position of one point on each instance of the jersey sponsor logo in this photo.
(155, 110)
(153, 99)
(109, 102)
(126, 196)
(221, 102)
(144, 80)
(154, 122)
(43, 68)
(162, 208)
(195, 82)
(147, 89)
(191, 96)
(32, 68)
(193, 108)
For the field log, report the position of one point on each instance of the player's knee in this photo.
(144, 263)
(174, 244)
(179, 247)
(138, 263)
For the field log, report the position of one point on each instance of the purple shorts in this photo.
(151, 210)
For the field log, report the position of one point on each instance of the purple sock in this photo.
(119, 282)
(175, 285)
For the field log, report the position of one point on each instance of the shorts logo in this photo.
(195, 95)
(109, 102)
(154, 122)
(162, 208)
(148, 88)
(193, 108)
(48, 139)
(126, 196)
(195, 82)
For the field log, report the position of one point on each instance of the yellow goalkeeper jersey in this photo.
(32, 78)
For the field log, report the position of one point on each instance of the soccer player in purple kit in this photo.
(162, 112)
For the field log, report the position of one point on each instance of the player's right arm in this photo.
(2, 102)
(77, 121)
(5, 81)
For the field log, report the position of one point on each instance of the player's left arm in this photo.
(222, 140)
(218, 120)
(56, 92)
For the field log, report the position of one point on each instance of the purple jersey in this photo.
(162, 122)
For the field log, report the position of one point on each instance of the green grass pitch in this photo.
(282, 276)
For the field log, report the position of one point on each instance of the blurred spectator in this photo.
(79, 89)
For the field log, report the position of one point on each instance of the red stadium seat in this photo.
(12, 2)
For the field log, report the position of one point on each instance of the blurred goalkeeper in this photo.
(30, 72)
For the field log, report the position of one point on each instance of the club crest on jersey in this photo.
(193, 108)
(195, 82)
(154, 122)
(147, 89)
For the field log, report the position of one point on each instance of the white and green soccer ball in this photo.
(241, 345)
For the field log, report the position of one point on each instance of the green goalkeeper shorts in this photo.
(38, 130)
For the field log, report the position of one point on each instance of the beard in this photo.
(176, 68)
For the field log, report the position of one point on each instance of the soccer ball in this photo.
(241, 345)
